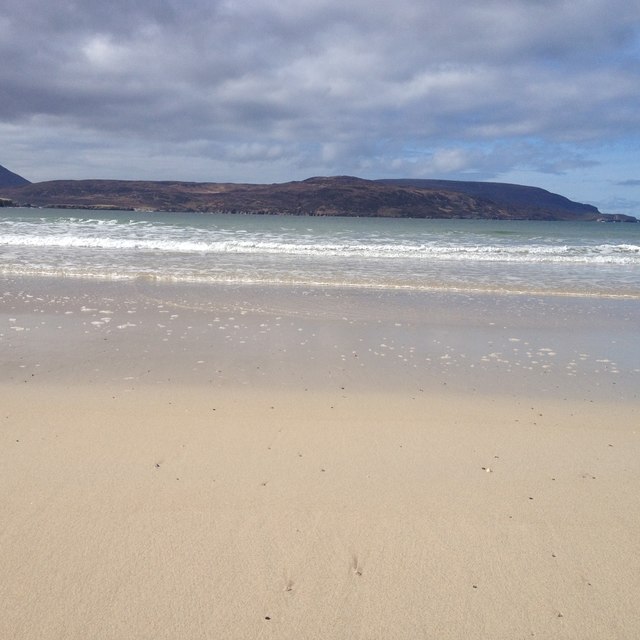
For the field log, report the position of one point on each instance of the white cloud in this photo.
(101, 52)
(450, 160)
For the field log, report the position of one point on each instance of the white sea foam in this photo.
(621, 254)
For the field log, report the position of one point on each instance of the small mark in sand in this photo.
(157, 465)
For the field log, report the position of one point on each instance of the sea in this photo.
(501, 257)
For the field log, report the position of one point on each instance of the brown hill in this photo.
(320, 196)
(514, 195)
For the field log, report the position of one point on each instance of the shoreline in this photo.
(169, 281)
(316, 338)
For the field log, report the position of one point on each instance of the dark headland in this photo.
(319, 196)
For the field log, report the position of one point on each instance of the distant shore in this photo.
(344, 196)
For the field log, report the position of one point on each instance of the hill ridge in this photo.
(11, 179)
(316, 196)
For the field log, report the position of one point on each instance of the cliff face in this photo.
(320, 196)
(10, 179)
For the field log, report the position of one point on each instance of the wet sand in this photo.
(199, 463)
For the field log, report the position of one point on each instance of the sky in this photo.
(537, 92)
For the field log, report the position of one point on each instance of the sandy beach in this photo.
(237, 463)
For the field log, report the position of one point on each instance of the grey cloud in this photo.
(328, 83)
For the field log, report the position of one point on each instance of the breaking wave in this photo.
(620, 254)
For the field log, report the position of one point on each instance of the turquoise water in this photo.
(450, 255)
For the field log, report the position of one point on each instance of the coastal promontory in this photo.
(317, 196)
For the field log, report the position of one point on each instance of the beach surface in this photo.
(237, 462)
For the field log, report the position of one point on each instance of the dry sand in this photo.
(251, 506)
